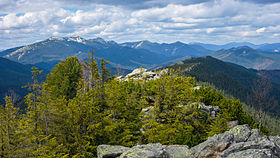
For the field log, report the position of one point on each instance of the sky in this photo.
(24, 22)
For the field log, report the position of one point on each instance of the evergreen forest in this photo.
(80, 106)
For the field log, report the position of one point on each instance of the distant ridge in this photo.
(131, 55)
(173, 49)
(54, 49)
(249, 57)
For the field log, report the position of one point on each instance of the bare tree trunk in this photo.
(261, 98)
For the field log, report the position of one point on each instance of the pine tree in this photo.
(63, 79)
(91, 70)
(104, 77)
(8, 127)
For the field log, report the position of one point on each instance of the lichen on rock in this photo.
(238, 142)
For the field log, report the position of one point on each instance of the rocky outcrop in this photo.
(107, 151)
(142, 74)
(149, 150)
(212, 110)
(152, 150)
(238, 142)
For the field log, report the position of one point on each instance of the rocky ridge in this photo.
(240, 141)
(142, 74)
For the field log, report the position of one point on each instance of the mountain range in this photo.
(131, 55)
(172, 49)
(49, 52)
(273, 47)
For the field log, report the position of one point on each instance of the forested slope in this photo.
(79, 107)
(260, 90)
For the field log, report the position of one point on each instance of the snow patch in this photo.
(77, 39)
(23, 49)
(20, 56)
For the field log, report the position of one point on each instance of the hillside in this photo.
(231, 78)
(13, 76)
(249, 58)
(8, 51)
(272, 75)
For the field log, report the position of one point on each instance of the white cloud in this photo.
(177, 25)
(260, 30)
(217, 21)
(210, 30)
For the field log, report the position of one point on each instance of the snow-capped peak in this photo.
(77, 39)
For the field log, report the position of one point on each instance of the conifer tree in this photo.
(8, 127)
(63, 79)
(32, 100)
(91, 68)
(104, 76)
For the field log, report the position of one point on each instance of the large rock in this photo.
(178, 151)
(212, 110)
(152, 150)
(215, 145)
(238, 142)
(261, 145)
(145, 151)
(252, 153)
(110, 151)
(137, 72)
(241, 133)
(142, 74)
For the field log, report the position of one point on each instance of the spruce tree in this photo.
(63, 79)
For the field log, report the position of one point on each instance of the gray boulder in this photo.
(110, 151)
(212, 110)
(142, 74)
(232, 124)
(262, 145)
(152, 150)
(137, 72)
(253, 153)
(241, 133)
(178, 151)
(238, 142)
(145, 151)
(214, 146)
